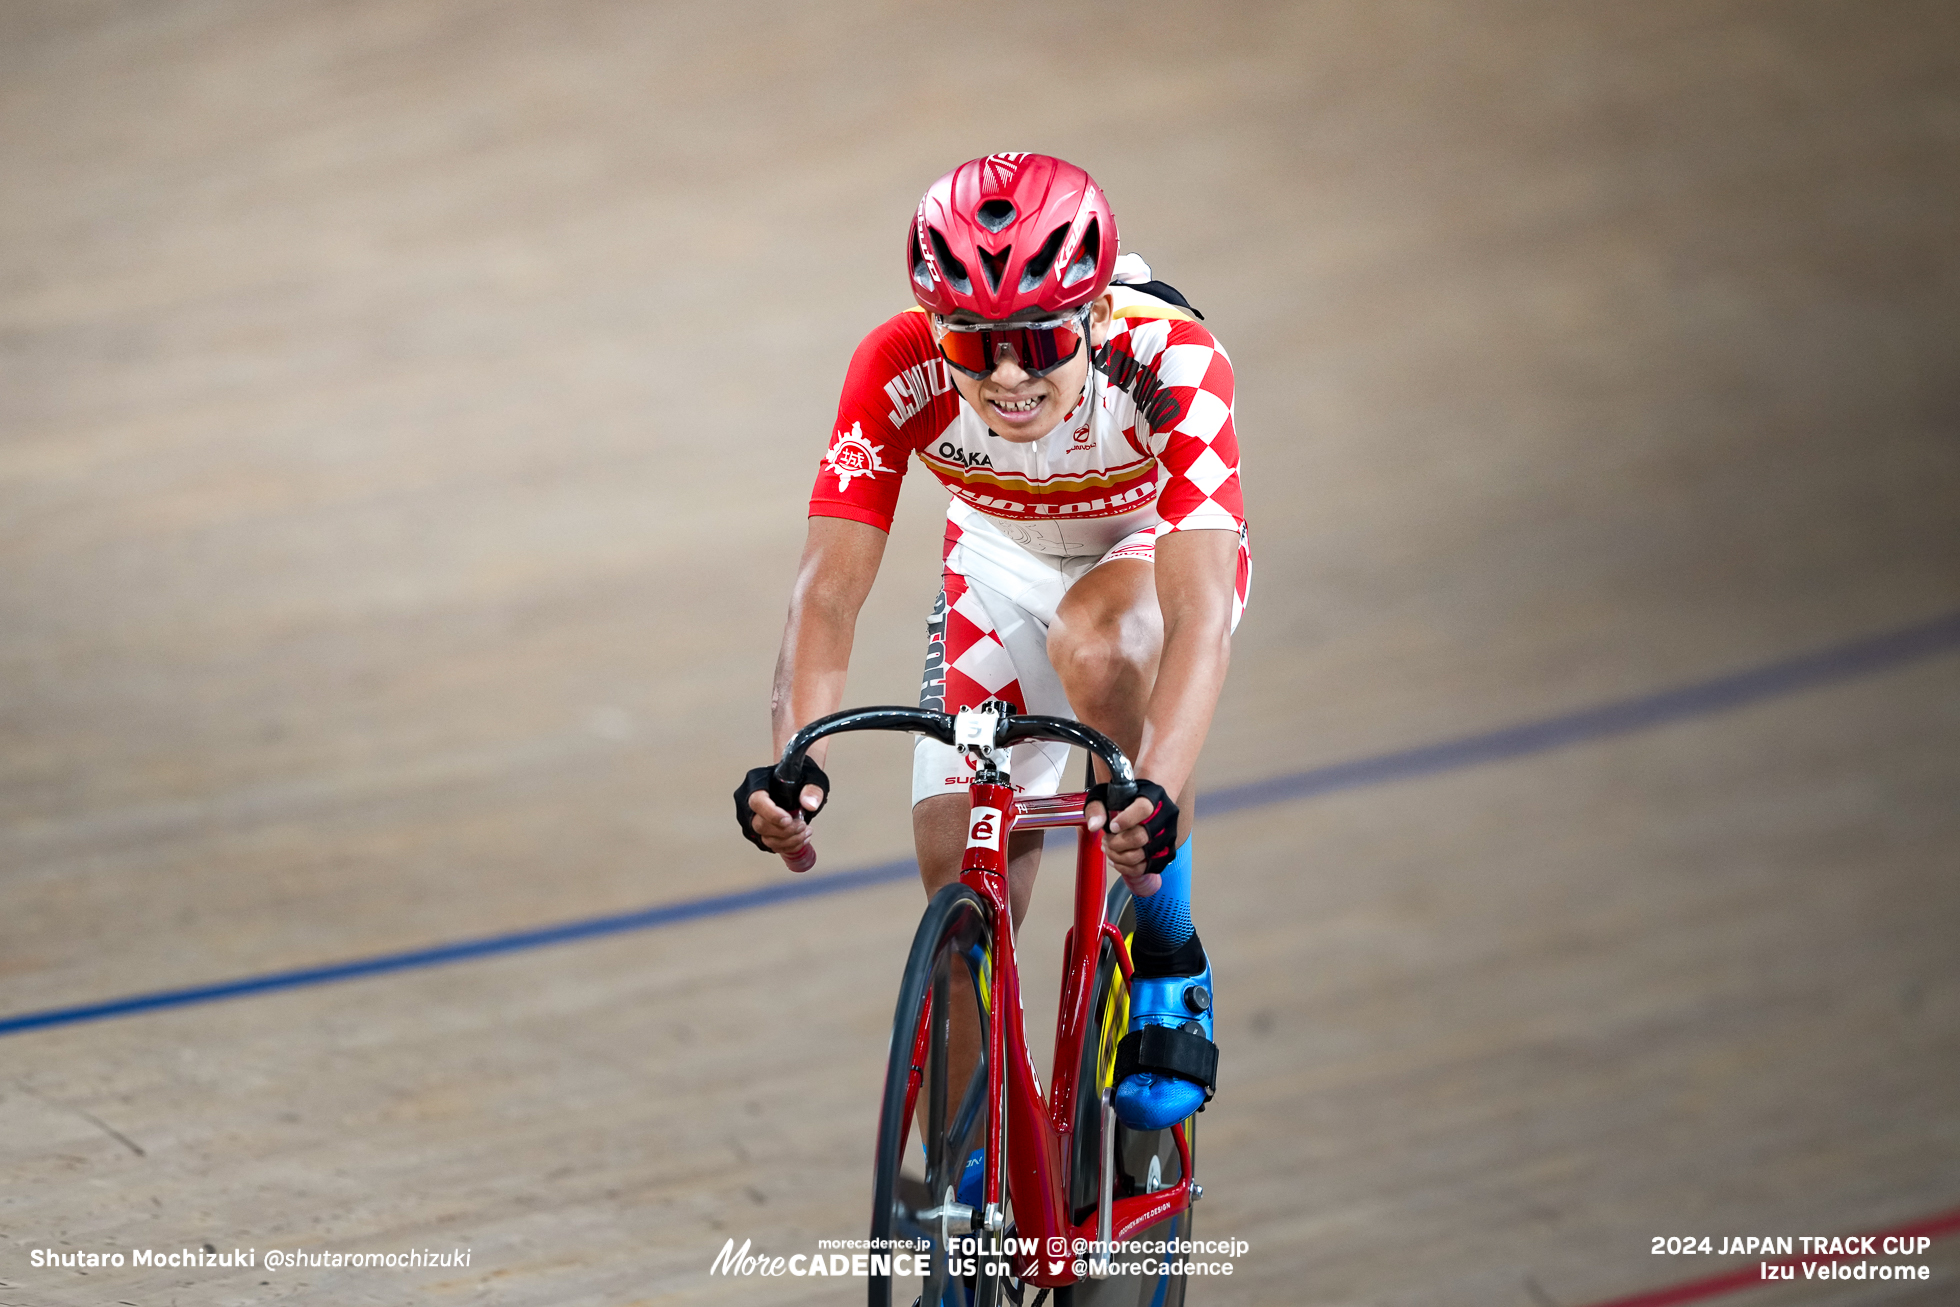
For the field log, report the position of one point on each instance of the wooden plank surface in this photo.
(405, 418)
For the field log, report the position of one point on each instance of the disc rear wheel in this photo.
(1146, 1160)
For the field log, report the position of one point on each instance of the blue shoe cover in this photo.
(1151, 1100)
(1155, 1100)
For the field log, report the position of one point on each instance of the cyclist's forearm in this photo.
(1195, 574)
(1190, 675)
(811, 670)
(840, 561)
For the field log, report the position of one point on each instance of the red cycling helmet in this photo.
(1011, 234)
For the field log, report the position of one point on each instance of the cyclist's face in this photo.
(1021, 408)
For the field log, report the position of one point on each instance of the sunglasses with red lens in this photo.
(1039, 347)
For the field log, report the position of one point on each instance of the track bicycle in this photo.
(1062, 1179)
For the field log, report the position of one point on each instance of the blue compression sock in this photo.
(1164, 919)
(1172, 987)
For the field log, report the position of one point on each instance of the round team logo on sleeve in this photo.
(851, 455)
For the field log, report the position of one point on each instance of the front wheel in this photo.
(936, 1081)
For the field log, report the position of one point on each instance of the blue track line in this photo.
(1789, 676)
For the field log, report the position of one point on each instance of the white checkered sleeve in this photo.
(1198, 481)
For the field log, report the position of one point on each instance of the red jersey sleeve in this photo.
(889, 381)
(1200, 458)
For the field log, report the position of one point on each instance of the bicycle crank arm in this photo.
(1106, 1199)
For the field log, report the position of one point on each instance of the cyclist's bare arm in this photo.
(840, 561)
(1195, 575)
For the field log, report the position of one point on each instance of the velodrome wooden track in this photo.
(405, 416)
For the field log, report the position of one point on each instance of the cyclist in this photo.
(1095, 557)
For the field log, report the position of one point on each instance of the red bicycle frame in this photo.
(1037, 1132)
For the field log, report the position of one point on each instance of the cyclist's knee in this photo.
(1102, 655)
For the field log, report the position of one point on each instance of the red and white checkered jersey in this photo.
(1150, 443)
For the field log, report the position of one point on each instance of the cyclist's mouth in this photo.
(1018, 408)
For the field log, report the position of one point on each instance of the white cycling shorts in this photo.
(987, 638)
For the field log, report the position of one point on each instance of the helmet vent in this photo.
(921, 270)
(995, 264)
(1043, 261)
(1087, 259)
(995, 214)
(954, 270)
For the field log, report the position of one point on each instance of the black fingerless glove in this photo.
(1161, 823)
(789, 798)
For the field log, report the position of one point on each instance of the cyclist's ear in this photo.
(1100, 313)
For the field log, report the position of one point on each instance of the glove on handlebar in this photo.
(1161, 823)
(764, 779)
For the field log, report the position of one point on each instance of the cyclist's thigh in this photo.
(982, 645)
(1114, 605)
(1106, 591)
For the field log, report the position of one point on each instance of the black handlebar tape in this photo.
(939, 726)
(921, 720)
(788, 795)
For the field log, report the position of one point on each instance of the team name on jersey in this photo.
(954, 454)
(1157, 405)
(1110, 505)
(914, 388)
